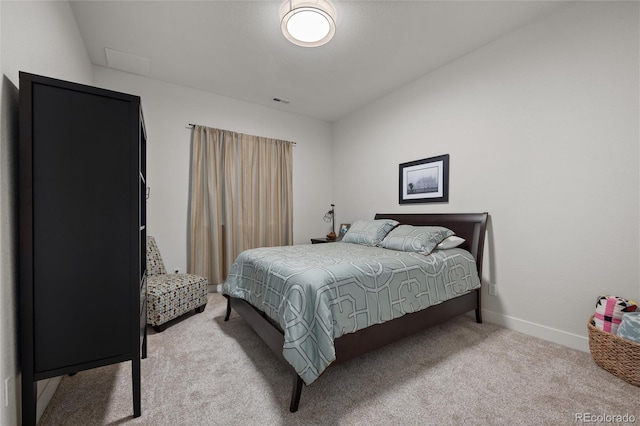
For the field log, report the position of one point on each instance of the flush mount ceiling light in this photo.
(308, 23)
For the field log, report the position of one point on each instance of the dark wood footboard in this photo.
(471, 227)
(352, 345)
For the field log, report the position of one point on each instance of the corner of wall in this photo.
(8, 251)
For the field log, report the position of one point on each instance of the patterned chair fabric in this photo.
(170, 295)
(155, 265)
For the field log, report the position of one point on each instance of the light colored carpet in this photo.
(203, 371)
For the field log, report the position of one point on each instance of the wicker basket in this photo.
(620, 357)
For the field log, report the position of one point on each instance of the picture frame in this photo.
(424, 181)
(344, 227)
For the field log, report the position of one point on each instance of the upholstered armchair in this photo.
(170, 295)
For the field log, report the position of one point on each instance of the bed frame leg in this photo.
(226, 317)
(295, 393)
(478, 312)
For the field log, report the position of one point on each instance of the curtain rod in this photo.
(191, 126)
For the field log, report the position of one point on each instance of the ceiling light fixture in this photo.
(308, 23)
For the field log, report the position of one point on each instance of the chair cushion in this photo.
(170, 296)
(162, 284)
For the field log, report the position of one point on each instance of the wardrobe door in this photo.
(81, 303)
(81, 223)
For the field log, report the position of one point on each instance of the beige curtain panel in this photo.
(240, 198)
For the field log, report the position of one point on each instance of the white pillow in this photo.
(450, 242)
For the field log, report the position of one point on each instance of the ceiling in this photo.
(236, 49)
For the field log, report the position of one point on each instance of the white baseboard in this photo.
(560, 337)
(46, 389)
(215, 288)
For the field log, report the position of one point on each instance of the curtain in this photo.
(240, 197)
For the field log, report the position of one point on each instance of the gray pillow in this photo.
(368, 232)
(418, 239)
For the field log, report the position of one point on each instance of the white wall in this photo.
(542, 130)
(541, 126)
(168, 109)
(42, 38)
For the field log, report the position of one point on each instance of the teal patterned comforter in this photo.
(317, 293)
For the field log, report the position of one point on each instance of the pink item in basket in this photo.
(609, 311)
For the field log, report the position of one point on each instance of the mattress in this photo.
(317, 293)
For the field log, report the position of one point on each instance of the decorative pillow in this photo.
(450, 242)
(418, 239)
(609, 311)
(368, 232)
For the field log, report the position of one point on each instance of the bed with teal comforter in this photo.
(317, 293)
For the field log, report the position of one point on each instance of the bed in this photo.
(302, 301)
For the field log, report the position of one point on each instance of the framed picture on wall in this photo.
(344, 227)
(424, 181)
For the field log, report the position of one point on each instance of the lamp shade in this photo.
(308, 23)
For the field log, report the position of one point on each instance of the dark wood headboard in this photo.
(470, 226)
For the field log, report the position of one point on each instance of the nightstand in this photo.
(324, 240)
